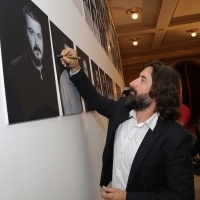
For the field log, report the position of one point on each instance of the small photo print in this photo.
(85, 66)
(96, 76)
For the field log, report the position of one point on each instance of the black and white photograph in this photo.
(107, 16)
(94, 3)
(100, 8)
(103, 36)
(98, 5)
(85, 66)
(114, 92)
(27, 62)
(112, 56)
(112, 89)
(96, 76)
(87, 12)
(118, 91)
(70, 98)
(103, 82)
(95, 21)
(109, 86)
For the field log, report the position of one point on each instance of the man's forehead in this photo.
(31, 20)
(147, 71)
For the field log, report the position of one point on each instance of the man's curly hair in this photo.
(165, 89)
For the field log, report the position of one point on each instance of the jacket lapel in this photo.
(146, 144)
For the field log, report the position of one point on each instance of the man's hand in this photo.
(113, 194)
(71, 63)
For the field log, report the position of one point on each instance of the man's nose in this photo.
(36, 41)
(133, 83)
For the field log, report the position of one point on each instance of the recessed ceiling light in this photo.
(134, 40)
(193, 32)
(134, 12)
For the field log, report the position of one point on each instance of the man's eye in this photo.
(39, 36)
(30, 31)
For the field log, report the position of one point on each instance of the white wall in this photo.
(57, 158)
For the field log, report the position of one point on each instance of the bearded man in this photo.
(146, 154)
(31, 92)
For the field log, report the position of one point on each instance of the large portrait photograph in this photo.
(27, 62)
(70, 98)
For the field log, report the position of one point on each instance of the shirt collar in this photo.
(151, 122)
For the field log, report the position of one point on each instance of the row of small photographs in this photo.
(28, 65)
(98, 18)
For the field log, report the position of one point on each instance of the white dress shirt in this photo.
(128, 138)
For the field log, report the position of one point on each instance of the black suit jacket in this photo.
(162, 168)
(28, 96)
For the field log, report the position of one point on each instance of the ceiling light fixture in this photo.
(134, 40)
(134, 12)
(193, 32)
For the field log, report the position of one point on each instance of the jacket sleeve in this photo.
(100, 103)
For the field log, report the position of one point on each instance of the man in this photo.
(31, 92)
(146, 154)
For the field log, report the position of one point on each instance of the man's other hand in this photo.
(113, 194)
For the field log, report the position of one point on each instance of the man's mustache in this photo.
(133, 90)
(36, 48)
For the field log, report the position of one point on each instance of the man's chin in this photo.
(38, 62)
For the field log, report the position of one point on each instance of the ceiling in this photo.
(162, 28)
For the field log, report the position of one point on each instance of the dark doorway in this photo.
(190, 73)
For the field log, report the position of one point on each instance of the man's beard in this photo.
(37, 61)
(138, 102)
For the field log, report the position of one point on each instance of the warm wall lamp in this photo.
(134, 40)
(134, 12)
(193, 32)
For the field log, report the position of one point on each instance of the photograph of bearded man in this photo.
(29, 76)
